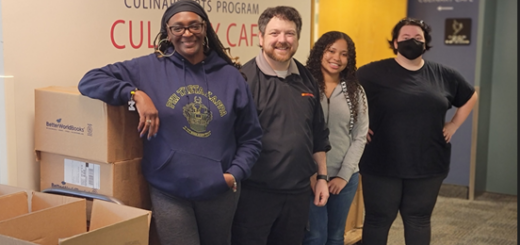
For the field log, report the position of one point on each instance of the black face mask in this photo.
(411, 48)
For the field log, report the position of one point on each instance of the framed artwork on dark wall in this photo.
(457, 31)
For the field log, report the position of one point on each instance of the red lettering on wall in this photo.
(243, 35)
(140, 36)
(150, 45)
(112, 34)
(227, 35)
(253, 32)
(136, 41)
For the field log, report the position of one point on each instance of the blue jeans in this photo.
(327, 223)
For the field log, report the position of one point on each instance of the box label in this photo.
(82, 173)
(58, 125)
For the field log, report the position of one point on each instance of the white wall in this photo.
(4, 176)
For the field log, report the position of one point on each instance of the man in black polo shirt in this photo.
(274, 204)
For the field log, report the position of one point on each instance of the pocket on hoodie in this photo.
(191, 176)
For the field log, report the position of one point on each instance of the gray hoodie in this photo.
(347, 148)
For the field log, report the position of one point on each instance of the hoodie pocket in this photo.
(191, 176)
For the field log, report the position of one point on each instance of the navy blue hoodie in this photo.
(208, 120)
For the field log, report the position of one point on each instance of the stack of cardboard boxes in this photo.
(87, 145)
(29, 218)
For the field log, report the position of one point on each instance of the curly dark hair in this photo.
(348, 74)
(213, 43)
(415, 22)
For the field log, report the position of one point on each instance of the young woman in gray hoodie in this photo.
(332, 61)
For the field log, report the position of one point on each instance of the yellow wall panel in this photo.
(367, 22)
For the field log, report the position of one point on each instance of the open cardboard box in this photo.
(55, 219)
(9, 205)
(10, 199)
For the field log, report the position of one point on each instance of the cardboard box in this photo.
(122, 180)
(114, 224)
(356, 213)
(55, 219)
(354, 226)
(10, 197)
(10, 202)
(41, 212)
(69, 123)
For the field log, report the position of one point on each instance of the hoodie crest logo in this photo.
(198, 116)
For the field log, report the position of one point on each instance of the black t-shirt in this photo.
(407, 111)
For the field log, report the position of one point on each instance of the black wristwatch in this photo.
(322, 176)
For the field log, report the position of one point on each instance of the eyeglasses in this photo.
(179, 30)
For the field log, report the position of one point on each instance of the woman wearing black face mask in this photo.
(408, 153)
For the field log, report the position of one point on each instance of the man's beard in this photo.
(280, 58)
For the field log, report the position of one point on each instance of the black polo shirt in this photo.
(292, 121)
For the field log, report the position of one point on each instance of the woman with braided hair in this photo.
(199, 124)
(332, 62)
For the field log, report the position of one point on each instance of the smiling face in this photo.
(280, 40)
(189, 45)
(334, 58)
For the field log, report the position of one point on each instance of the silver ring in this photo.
(148, 121)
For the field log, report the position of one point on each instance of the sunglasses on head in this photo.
(414, 21)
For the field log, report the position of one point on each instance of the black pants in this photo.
(413, 198)
(270, 218)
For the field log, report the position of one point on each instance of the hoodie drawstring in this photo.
(207, 85)
(184, 79)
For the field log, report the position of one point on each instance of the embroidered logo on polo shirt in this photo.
(308, 94)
